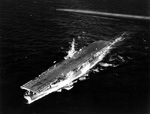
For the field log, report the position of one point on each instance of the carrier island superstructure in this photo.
(62, 75)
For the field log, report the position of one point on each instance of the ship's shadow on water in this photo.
(34, 35)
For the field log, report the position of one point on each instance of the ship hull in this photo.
(63, 75)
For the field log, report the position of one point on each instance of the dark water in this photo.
(33, 35)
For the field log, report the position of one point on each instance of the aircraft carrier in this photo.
(62, 75)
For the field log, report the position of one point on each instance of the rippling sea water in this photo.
(33, 35)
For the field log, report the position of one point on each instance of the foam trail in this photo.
(106, 14)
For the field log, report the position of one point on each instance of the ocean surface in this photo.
(33, 35)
